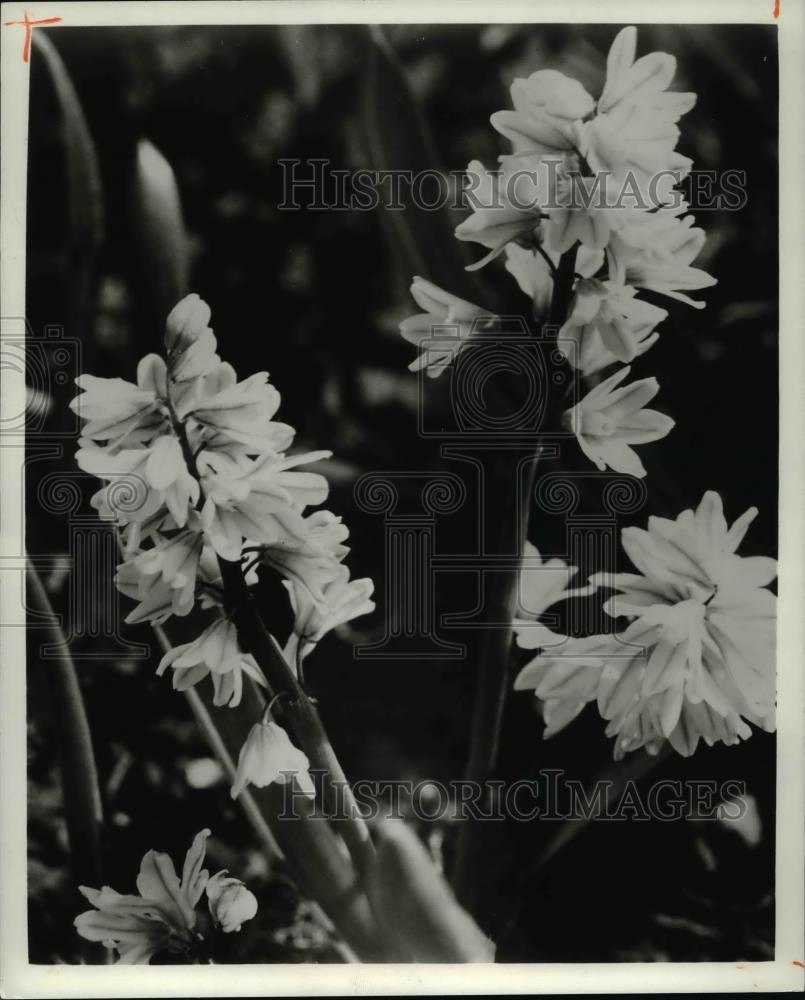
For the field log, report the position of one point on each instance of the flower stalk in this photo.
(300, 713)
(494, 681)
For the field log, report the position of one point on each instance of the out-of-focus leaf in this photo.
(83, 811)
(156, 218)
(84, 196)
(398, 139)
(415, 905)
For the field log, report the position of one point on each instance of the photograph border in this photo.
(18, 978)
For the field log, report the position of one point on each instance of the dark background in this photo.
(315, 298)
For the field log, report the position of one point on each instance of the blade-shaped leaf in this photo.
(398, 139)
(158, 226)
(415, 905)
(84, 195)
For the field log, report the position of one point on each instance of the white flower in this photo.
(655, 252)
(505, 205)
(154, 476)
(565, 682)
(637, 149)
(443, 329)
(316, 560)
(175, 559)
(642, 83)
(606, 323)
(546, 107)
(634, 133)
(115, 409)
(194, 468)
(344, 599)
(162, 578)
(240, 412)
(584, 209)
(542, 583)
(268, 756)
(695, 555)
(158, 600)
(186, 322)
(609, 420)
(697, 660)
(591, 163)
(189, 341)
(214, 652)
(230, 902)
(533, 276)
(262, 500)
(161, 918)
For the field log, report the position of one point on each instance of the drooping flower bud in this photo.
(231, 903)
(268, 756)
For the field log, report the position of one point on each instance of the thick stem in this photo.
(311, 850)
(246, 800)
(301, 715)
(563, 287)
(493, 682)
(492, 686)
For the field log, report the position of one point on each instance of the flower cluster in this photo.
(592, 184)
(696, 659)
(162, 917)
(196, 472)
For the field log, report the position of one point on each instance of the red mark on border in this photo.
(776, 11)
(29, 26)
(795, 962)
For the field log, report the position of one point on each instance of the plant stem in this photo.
(563, 287)
(492, 686)
(302, 716)
(348, 921)
(218, 747)
(300, 712)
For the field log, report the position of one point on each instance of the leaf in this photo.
(158, 227)
(84, 200)
(399, 139)
(415, 905)
(82, 797)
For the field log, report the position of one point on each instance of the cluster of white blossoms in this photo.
(596, 180)
(697, 657)
(195, 472)
(162, 917)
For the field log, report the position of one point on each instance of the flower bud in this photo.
(186, 322)
(268, 756)
(230, 902)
